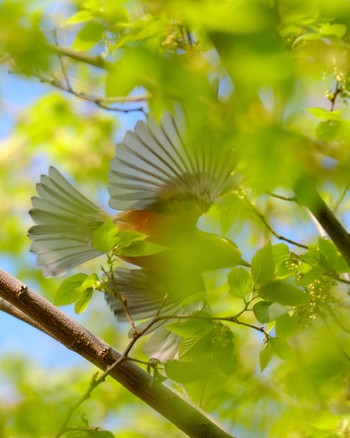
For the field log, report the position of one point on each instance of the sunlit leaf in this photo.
(68, 291)
(283, 293)
(140, 248)
(265, 355)
(324, 114)
(83, 300)
(191, 328)
(90, 35)
(282, 348)
(80, 17)
(239, 281)
(267, 312)
(106, 237)
(287, 326)
(263, 265)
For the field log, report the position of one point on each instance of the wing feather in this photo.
(157, 169)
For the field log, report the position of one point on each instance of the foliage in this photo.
(270, 353)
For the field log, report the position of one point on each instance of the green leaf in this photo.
(324, 114)
(185, 372)
(308, 36)
(287, 326)
(90, 35)
(106, 237)
(329, 251)
(90, 282)
(224, 357)
(79, 17)
(191, 328)
(283, 293)
(265, 355)
(127, 237)
(68, 292)
(83, 300)
(337, 30)
(282, 348)
(140, 248)
(263, 265)
(280, 253)
(267, 312)
(329, 130)
(239, 281)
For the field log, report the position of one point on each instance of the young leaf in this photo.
(127, 237)
(324, 114)
(83, 300)
(263, 265)
(106, 237)
(89, 283)
(140, 248)
(191, 328)
(239, 281)
(280, 253)
(267, 312)
(337, 30)
(68, 292)
(265, 355)
(287, 326)
(283, 293)
(79, 17)
(88, 36)
(281, 348)
(329, 251)
(224, 357)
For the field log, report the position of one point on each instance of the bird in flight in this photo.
(160, 183)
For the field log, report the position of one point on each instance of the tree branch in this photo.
(187, 417)
(95, 61)
(308, 196)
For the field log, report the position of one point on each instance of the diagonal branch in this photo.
(187, 417)
(308, 196)
(94, 61)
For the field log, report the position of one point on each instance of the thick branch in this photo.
(308, 196)
(187, 417)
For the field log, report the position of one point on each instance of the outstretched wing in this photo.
(148, 292)
(65, 221)
(156, 168)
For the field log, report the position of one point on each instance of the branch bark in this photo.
(308, 196)
(187, 417)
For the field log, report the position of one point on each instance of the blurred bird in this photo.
(162, 184)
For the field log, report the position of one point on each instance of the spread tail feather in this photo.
(65, 221)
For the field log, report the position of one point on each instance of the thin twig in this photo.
(94, 61)
(233, 319)
(102, 102)
(335, 94)
(283, 198)
(272, 231)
